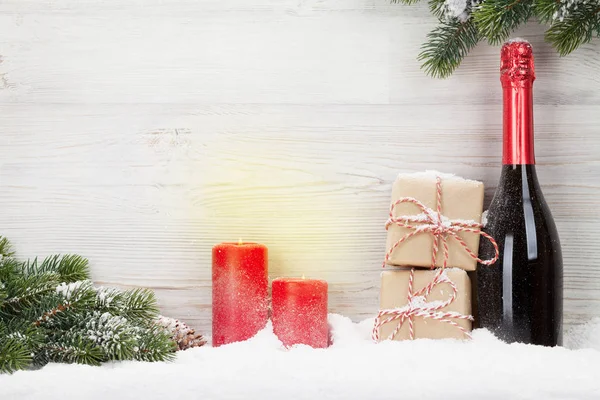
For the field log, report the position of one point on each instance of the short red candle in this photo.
(239, 291)
(300, 311)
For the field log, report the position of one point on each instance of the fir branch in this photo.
(545, 10)
(447, 46)
(17, 328)
(438, 8)
(69, 267)
(576, 27)
(572, 24)
(155, 344)
(73, 350)
(3, 294)
(5, 248)
(27, 290)
(138, 305)
(9, 267)
(73, 267)
(69, 299)
(108, 299)
(114, 335)
(14, 355)
(50, 311)
(496, 19)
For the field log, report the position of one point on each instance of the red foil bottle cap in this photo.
(516, 63)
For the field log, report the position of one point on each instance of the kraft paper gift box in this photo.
(394, 295)
(461, 199)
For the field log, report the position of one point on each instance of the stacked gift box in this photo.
(433, 234)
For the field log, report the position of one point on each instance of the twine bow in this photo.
(440, 227)
(418, 307)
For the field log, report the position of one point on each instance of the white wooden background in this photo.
(140, 133)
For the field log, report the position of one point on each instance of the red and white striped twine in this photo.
(440, 228)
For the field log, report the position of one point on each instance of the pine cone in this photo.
(182, 334)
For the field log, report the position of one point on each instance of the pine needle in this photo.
(69, 268)
(576, 28)
(74, 350)
(447, 45)
(73, 267)
(155, 345)
(139, 305)
(14, 355)
(5, 248)
(496, 19)
(27, 290)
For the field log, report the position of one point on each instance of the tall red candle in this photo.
(300, 311)
(239, 291)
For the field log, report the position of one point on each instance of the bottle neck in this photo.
(518, 124)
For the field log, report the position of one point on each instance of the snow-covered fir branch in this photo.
(70, 291)
(567, 7)
(105, 297)
(51, 312)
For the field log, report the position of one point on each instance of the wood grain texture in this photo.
(141, 133)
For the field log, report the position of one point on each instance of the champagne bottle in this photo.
(520, 298)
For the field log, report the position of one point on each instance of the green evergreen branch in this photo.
(496, 19)
(139, 305)
(437, 8)
(108, 299)
(577, 28)
(14, 355)
(50, 311)
(155, 344)
(447, 46)
(114, 335)
(572, 23)
(65, 303)
(73, 267)
(8, 268)
(5, 248)
(545, 10)
(74, 350)
(3, 294)
(27, 290)
(69, 268)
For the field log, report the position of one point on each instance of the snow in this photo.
(68, 289)
(456, 9)
(484, 218)
(517, 40)
(105, 296)
(352, 368)
(432, 174)
(419, 302)
(104, 327)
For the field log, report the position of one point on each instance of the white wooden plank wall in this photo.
(140, 133)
